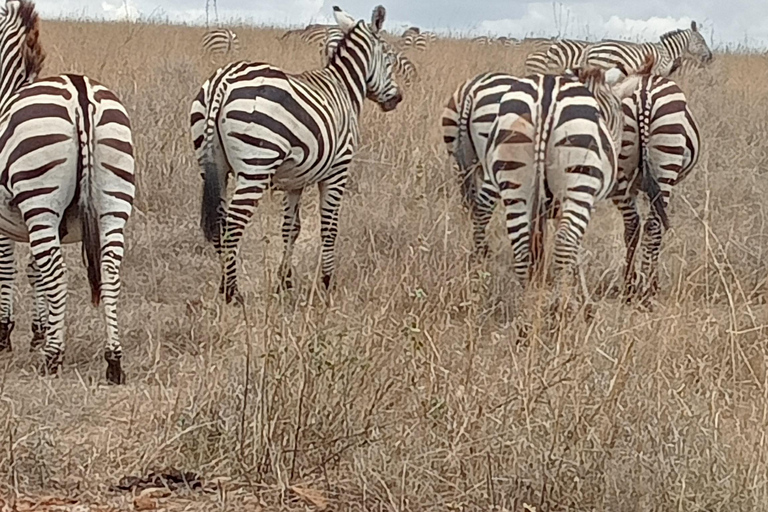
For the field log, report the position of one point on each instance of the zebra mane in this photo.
(344, 40)
(672, 34)
(32, 51)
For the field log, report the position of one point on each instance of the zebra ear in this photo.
(377, 19)
(344, 20)
(694, 27)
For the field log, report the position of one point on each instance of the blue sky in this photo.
(734, 21)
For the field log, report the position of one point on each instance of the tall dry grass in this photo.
(409, 391)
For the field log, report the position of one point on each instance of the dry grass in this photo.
(409, 391)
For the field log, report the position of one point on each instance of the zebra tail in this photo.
(89, 215)
(650, 182)
(213, 181)
(465, 153)
(538, 200)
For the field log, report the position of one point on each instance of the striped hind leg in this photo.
(575, 216)
(631, 218)
(40, 313)
(51, 284)
(7, 278)
(482, 211)
(291, 229)
(331, 193)
(652, 236)
(240, 210)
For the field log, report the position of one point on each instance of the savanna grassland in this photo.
(409, 389)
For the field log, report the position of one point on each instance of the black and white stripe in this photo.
(660, 148)
(550, 149)
(673, 45)
(268, 127)
(221, 41)
(67, 163)
(558, 57)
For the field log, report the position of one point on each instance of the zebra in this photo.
(558, 57)
(466, 123)
(66, 155)
(220, 41)
(552, 151)
(483, 40)
(660, 148)
(672, 46)
(268, 127)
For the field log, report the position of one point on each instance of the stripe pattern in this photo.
(673, 45)
(271, 128)
(221, 41)
(66, 155)
(549, 149)
(661, 146)
(558, 57)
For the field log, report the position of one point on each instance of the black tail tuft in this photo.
(92, 250)
(210, 214)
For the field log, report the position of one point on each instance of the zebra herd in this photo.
(599, 121)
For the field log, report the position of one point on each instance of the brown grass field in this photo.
(409, 390)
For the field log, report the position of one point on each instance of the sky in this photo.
(721, 21)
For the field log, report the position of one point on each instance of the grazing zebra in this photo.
(551, 148)
(558, 57)
(220, 41)
(268, 127)
(673, 46)
(660, 148)
(67, 163)
(507, 41)
(489, 40)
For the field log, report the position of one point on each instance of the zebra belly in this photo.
(12, 224)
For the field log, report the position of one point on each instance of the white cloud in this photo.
(122, 11)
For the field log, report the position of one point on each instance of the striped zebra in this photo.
(660, 148)
(220, 41)
(673, 45)
(483, 40)
(558, 57)
(551, 152)
(467, 122)
(403, 66)
(67, 163)
(268, 127)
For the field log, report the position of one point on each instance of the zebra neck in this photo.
(9, 84)
(674, 44)
(349, 68)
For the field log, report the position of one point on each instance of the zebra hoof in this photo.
(115, 373)
(286, 283)
(38, 338)
(6, 328)
(233, 295)
(327, 282)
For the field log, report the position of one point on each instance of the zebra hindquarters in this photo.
(510, 161)
(112, 191)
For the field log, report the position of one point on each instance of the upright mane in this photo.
(672, 33)
(34, 55)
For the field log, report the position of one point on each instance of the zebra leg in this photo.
(52, 285)
(112, 252)
(631, 217)
(568, 237)
(331, 192)
(291, 229)
(482, 211)
(7, 278)
(40, 313)
(652, 236)
(239, 213)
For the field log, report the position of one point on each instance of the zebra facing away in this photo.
(660, 148)
(268, 127)
(553, 149)
(67, 163)
(221, 41)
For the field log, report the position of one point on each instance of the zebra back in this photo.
(220, 41)
(21, 54)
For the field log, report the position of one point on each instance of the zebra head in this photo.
(20, 50)
(381, 86)
(697, 45)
